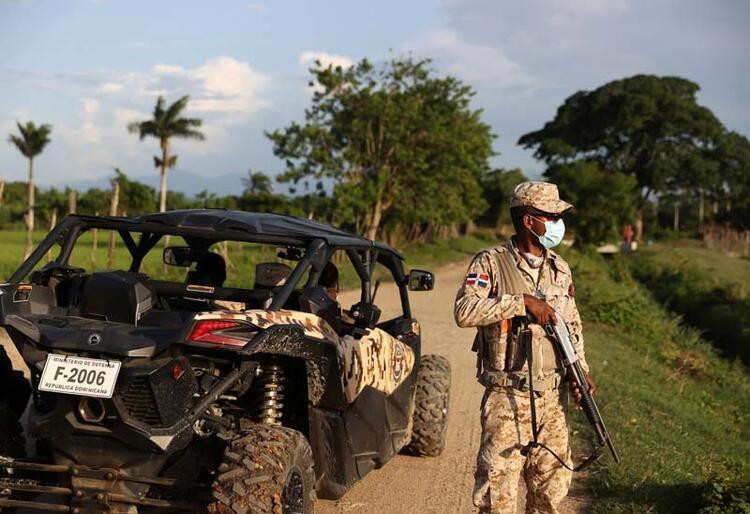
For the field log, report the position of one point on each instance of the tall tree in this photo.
(497, 186)
(646, 126)
(733, 155)
(394, 138)
(605, 200)
(30, 143)
(165, 124)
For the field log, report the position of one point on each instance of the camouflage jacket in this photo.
(482, 303)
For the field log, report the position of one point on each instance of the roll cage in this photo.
(202, 228)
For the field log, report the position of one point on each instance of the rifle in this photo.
(560, 335)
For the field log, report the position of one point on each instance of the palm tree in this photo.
(30, 143)
(165, 124)
(256, 182)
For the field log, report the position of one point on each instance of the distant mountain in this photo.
(177, 180)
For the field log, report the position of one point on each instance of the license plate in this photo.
(79, 375)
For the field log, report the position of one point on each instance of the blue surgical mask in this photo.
(554, 231)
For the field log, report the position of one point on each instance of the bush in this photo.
(723, 496)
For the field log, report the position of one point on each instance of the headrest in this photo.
(210, 270)
(271, 274)
(316, 301)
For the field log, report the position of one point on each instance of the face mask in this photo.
(554, 231)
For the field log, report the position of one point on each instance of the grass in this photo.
(677, 411)
(709, 289)
(716, 269)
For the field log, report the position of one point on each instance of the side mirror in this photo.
(182, 256)
(420, 280)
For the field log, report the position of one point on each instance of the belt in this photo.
(520, 381)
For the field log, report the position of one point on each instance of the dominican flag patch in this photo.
(477, 279)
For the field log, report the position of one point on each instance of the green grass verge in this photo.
(711, 290)
(679, 414)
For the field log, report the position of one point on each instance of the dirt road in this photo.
(431, 485)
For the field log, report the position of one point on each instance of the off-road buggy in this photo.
(192, 396)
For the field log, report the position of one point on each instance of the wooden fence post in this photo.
(113, 212)
(95, 236)
(72, 202)
(52, 223)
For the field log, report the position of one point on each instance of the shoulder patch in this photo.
(477, 279)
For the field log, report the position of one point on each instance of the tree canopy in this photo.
(257, 182)
(645, 126)
(648, 127)
(497, 186)
(32, 140)
(594, 191)
(401, 145)
(165, 124)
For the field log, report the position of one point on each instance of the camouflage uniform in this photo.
(502, 367)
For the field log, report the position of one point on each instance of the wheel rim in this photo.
(293, 495)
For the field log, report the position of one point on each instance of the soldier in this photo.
(502, 295)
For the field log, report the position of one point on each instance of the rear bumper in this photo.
(81, 489)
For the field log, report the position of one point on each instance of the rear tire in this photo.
(430, 418)
(14, 394)
(12, 442)
(265, 469)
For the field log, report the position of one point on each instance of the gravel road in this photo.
(438, 484)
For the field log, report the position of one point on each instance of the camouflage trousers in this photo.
(506, 428)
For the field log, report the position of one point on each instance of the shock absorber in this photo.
(271, 394)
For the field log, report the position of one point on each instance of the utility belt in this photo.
(520, 381)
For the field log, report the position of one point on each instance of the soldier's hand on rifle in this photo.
(577, 392)
(542, 311)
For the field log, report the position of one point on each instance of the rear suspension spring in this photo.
(271, 394)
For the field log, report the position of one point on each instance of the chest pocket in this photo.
(557, 290)
(545, 360)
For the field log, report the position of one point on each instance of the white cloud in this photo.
(308, 58)
(474, 63)
(90, 106)
(167, 69)
(110, 87)
(224, 92)
(229, 86)
(87, 133)
(124, 116)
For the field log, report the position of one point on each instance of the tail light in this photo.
(215, 332)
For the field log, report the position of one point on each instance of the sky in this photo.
(89, 67)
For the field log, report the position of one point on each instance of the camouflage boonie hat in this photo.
(271, 274)
(540, 195)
